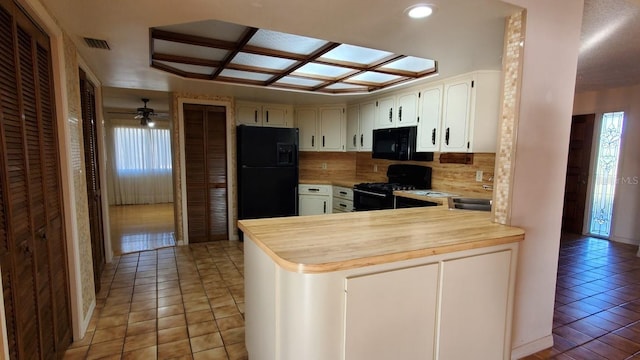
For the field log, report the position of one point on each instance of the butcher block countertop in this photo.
(333, 242)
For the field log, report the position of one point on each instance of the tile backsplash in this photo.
(361, 167)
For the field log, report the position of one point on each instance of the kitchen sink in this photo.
(470, 203)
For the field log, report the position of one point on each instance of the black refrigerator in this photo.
(267, 172)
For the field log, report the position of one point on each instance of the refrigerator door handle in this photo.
(295, 200)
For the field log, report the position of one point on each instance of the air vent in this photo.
(97, 43)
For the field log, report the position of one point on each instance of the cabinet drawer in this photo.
(341, 205)
(314, 189)
(343, 192)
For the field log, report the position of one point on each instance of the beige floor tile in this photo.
(212, 354)
(149, 273)
(141, 327)
(123, 291)
(237, 352)
(233, 336)
(199, 316)
(174, 349)
(171, 322)
(225, 311)
(231, 322)
(108, 334)
(137, 316)
(109, 348)
(169, 300)
(76, 353)
(111, 321)
(198, 296)
(203, 328)
(169, 292)
(145, 296)
(170, 310)
(167, 277)
(147, 353)
(145, 281)
(197, 305)
(117, 309)
(168, 284)
(144, 288)
(120, 299)
(140, 341)
(143, 305)
(206, 342)
(172, 334)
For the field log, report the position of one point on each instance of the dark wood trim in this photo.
(248, 34)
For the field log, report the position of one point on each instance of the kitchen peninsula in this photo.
(417, 283)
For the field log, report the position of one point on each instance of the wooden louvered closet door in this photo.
(32, 248)
(206, 172)
(92, 173)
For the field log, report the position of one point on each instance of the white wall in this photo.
(626, 210)
(548, 83)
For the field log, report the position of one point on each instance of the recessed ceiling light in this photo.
(419, 11)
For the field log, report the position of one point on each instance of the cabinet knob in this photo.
(255, 116)
(391, 115)
(267, 115)
(361, 139)
(433, 136)
(446, 137)
(400, 114)
(322, 140)
(313, 140)
(354, 140)
(325, 207)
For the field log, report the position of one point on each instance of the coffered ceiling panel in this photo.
(269, 58)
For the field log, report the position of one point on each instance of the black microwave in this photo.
(398, 144)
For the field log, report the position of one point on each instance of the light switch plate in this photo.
(479, 176)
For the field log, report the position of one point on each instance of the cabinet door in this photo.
(455, 118)
(353, 128)
(248, 114)
(331, 129)
(274, 115)
(306, 120)
(367, 120)
(313, 205)
(385, 116)
(392, 315)
(407, 109)
(430, 114)
(475, 293)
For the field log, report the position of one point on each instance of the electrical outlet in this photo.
(375, 167)
(479, 176)
(324, 166)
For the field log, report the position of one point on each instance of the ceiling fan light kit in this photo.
(144, 114)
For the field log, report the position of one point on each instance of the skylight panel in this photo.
(195, 69)
(194, 51)
(345, 86)
(293, 80)
(411, 63)
(245, 75)
(374, 77)
(323, 70)
(286, 42)
(261, 61)
(356, 54)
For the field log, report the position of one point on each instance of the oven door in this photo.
(364, 200)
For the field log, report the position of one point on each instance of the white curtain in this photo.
(139, 165)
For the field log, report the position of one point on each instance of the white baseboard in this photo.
(87, 319)
(532, 347)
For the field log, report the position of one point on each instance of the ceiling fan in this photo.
(145, 114)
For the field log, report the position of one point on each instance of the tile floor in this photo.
(175, 303)
(187, 303)
(597, 309)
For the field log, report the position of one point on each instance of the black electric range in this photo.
(378, 196)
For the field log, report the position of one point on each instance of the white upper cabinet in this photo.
(407, 109)
(360, 120)
(353, 128)
(455, 116)
(430, 114)
(385, 113)
(332, 129)
(259, 114)
(306, 121)
(321, 128)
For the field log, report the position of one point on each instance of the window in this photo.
(142, 151)
(606, 173)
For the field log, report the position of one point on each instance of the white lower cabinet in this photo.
(342, 199)
(379, 309)
(314, 199)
